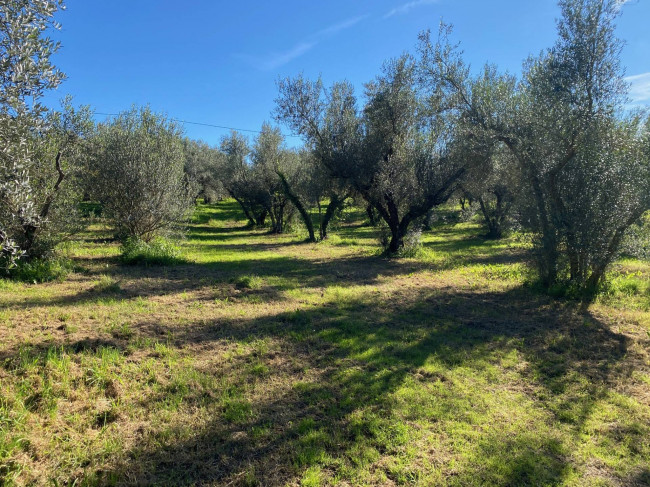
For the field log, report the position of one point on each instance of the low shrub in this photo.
(107, 284)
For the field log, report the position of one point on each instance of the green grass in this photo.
(248, 282)
(37, 271)
(157, 252)
(259, 359)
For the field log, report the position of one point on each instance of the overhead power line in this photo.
(204, 125)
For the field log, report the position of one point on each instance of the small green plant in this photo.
(237, 410)
(412, 243)
(312, 477)
(249, 282)
(157, 252)
(107, 284)
(35, 271)
(259, 370)
(68, 328)
(625, 287)
(120, 330)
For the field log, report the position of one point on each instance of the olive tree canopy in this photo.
(26, 73)
(394, 152)
(138, 168)
(584, 172)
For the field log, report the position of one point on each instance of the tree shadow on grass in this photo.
(352, 383)
(133, 282)
(310, 272)
(346, 386)
(640, 478)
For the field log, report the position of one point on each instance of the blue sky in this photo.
(217, 62)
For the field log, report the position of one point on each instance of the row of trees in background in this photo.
(556, 146)
(270, 181)
(553, 153)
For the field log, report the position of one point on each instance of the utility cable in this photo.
(204, 125)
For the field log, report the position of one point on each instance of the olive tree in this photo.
(492, 185)
(588, 178)
(582, 164)
(56, 177)
(322, 187)
(202, 166)
(138, 166)
(406, 166)
(298, 178)
(238, 179)
(52, 183)
(268, 159)
(329, 123)
(36, 154)
(395, 153)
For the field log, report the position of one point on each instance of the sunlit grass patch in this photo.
(337, 240)
(628, 286)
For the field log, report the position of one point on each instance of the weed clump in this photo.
(107, 284)
(412, 243)
(157, 252)
(41, 270)
(249, 282)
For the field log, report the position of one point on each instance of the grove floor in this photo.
(263, 360)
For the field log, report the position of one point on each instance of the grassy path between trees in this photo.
(262, 360)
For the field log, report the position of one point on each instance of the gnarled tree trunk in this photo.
(335, 203)
(304, 214)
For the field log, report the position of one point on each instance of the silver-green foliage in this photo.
(237, 177)
(492, 185)
(25, 74)
(329, 122)
(582, 160)
(584, 163)
(395, 152)
(268, 157)
(202, 166)
(137, 164)
(56, 175)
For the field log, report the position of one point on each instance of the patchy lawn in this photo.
(261, 360)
